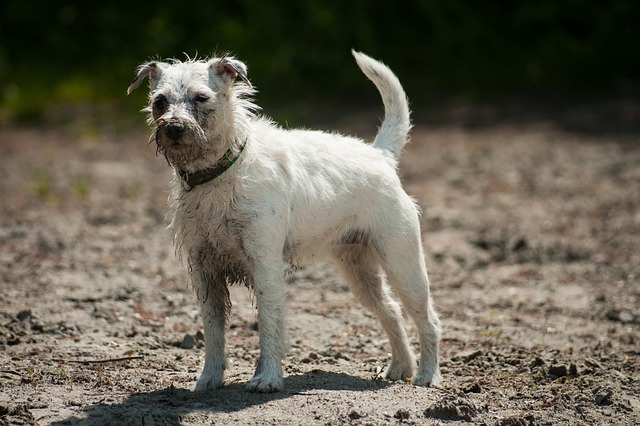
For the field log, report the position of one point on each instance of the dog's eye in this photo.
(160, 102)
(200, 98)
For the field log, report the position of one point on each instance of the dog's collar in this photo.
(191, 180)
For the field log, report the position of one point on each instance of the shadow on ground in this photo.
(171, 405)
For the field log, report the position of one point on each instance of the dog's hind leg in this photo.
(360, 266)
(407, 274)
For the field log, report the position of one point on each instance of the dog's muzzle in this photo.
(172, 129)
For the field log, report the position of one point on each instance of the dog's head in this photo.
(195, 107)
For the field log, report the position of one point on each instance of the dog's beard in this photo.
(183, 153)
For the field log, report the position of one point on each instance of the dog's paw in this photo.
(208, 381)
(265, 383)
(400, 371)
(427, 379)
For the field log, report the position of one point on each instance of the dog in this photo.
(251, 199)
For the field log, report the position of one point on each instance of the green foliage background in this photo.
(80, 51)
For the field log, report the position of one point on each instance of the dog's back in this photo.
(394, 130)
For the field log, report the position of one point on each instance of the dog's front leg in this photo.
(269, 292)
(213, 295)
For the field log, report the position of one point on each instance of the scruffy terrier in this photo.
(250, 199)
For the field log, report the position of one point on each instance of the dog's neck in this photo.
(199, 177)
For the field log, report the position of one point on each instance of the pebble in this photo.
(13, 340)
(402, 415)
(468, 356)
(602, 395)
(473, 388)
(24, 315)
(512, 421)
(354, 415)
(619, 316)
(456, 409)
(573, 369)
(558, 370)
(592, 363)
(537, 362)
(188, 342)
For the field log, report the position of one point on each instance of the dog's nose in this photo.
(174, 130)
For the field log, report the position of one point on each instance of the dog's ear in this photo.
(153, 70)
(229, 69)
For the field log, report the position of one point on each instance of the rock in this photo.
(16, 415)
(354, 415)
(402, 415)
(472, 388)
(513, 421)
(13, 340)
(188, 342)
(312, 357)
(602, 395)
(619, 316)
(200, 335)
(558, 370)
(573, 369)
(38, 326)
(520, 245)
(340, 355)
(537, 362)
(455, 409)
(468, 356)
(23, 315)
(592, 363)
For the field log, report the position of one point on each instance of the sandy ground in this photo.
(532, 233)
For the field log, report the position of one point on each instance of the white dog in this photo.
(251, 199)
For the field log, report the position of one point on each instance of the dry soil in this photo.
(531, 224)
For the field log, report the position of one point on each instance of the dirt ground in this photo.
(531, 224)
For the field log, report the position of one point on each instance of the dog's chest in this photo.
(210, 233)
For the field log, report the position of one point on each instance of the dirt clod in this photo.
(513, 421)
(558, 370)
(354, 415)
(402, 415)
(602, 395)
(24, 315)
(468, 356)
(16, 415)
(452, 409)
(188, 342)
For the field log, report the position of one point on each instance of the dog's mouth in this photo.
(178, 151)
(164, 143)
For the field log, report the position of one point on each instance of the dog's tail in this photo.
(393, 133)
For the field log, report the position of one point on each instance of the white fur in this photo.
(292, 196)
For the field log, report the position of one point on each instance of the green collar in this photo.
(191, 180)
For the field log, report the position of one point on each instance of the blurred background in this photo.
(85, 53)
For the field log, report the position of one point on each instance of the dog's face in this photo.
(191, 107)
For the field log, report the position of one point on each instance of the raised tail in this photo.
(393, 133)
